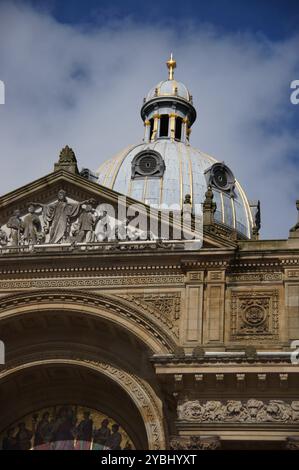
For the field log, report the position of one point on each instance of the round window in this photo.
(221, 177)
(148, 163)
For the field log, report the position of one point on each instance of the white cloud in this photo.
(84, 87)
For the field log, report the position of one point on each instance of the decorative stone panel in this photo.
(166, 307)
(254, 315)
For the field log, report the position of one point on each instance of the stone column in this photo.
(184, 130)
(147, 128)
(172, 125)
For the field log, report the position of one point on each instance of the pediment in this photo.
(40, 204)
(37, 225)
(45, 190)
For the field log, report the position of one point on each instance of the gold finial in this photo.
(171, 64)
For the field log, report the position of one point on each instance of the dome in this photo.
(169, 88)
(184, 173)
(164, 167)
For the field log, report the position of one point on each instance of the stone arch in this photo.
(140, 392)
(135, 320)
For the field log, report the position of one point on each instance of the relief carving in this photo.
(16, 228)
(58, 217)
(254, 315)
(251, 411)
(70, 222)
(165, 307)
(105, 281)
(256, 277)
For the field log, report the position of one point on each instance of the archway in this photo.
(53, 339)
(139, 403)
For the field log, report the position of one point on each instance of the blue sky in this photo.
(274, 18)
(76, 73)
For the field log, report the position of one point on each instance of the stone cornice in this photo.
(231, 359)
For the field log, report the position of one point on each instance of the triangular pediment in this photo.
(44, 193)
(43, 196)
(45, 189)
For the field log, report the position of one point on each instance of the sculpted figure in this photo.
(3, 238)
(59, 216)
(32, 226)
(16, 226)
(124, 231)
(296, 227)
(104, 228)
(85, 226)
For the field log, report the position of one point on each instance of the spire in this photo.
(171, 65)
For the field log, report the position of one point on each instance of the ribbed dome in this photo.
(184, 174)
(169, 88)
(164, 168)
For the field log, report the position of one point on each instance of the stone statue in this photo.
(84, 228)
(122, 230)
(296, 227)
(59, 216)
(32, 227)
(3, 238)
(104, 229)
(16, 226)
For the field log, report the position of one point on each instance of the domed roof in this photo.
(184, 173)
(164, 168)
(169, 88)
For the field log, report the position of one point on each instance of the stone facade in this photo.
(195, 345)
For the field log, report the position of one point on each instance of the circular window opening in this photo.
(221, 177)
(148, 163)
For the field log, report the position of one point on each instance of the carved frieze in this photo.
(195, 443)
(237, 411)
(254, 315)
(255, 277)
(87, 282)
